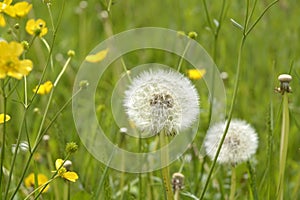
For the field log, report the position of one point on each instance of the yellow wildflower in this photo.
(41, 179)
(44, 88)
(37, 27)
(196, 74)
(63, 172)
(97, 57)
(7, 118)
(5, 7)
(10, 65)
(21, 9)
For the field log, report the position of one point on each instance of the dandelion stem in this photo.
(233, 183)
(283, 145)
(164, 162)
(176, 195)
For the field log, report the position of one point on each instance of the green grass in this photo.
(270, 49)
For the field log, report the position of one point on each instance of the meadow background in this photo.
(272, 48)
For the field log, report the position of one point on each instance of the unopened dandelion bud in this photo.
(123, 130)
(83, 84)
(104, 15)
(192, 35)
(177, 181)
(71, 53)
(285, 80)
(71, 147)
(46, 138)
(47, 1)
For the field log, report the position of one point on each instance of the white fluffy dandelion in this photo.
(240, 143)
(161, 100)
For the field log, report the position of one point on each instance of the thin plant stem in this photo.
(235, 90)
(233, 182)
(252, 178)
(229, 117)
(104, 174)
(3, 136)
(283, 145)
(184, 52)
(35, 146)
(38, 188)
(165, 170)
(51, 16)
(15, 154)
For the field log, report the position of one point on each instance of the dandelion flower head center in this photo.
(160, 100)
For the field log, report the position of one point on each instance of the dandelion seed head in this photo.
(240, 144)
(161, 100)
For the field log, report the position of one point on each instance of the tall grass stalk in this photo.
(246, 32)
(3, 134)
(283, 144)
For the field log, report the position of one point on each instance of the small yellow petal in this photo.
(7, 118)
(22, 8)
(29, 181)
(196, 74)
(71, 176)
(58, 163)
(44, 88)
(2, 20)
(97, 57)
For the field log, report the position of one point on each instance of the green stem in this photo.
(184, 52)
(38, 188)
(233, 183)
(3, 137)
(229, 117)
(252, 179)
(283, 144)
(38, 141)
(165, 170)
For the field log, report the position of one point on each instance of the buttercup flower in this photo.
(240, 144)
(5, 7)
(161, 100)
(10, 65)
(41, 179)
(37, 27)
(44, 88)
(21, 9)
(196, 74)
(7, 118)
(63, 172)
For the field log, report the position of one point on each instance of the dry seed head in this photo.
(177, 181)
(161, 101)
(285, 78)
